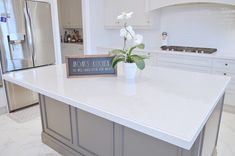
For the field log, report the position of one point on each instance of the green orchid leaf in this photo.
(140, 64)
(117, 52)
(139, 61)
(117, 59)
(141, 56)
(140, 46)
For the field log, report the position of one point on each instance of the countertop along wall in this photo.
(203, 25)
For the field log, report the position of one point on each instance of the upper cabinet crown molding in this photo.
(153, 4)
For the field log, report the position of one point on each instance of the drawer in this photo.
(184, 67)
(187, 60)
(220, 72)
(231, 86)
(227, 65)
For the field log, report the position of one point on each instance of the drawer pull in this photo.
(225, 73)
(226, 64)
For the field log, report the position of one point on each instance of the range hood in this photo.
(157, 4)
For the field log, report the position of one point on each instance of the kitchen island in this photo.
(163, 113)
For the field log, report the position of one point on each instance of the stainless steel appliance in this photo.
(26, 42)
(189, 49)
(0, 78)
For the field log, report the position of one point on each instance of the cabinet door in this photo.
(111, 11)
(113, 8)
(211, 131)
(138, 144)
(95, 134)
(57, 119)
(71, 13)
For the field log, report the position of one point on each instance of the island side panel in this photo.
(89, 135)
(211, 130)
(95, 134)
(51, 135)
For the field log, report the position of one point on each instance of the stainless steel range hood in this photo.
(157, 4)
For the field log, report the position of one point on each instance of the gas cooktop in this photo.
(189, 49)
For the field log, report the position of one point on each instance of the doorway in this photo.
(71, 27)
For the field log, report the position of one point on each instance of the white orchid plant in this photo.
(126, 54)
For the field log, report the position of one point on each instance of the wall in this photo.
(56, 28)
(96, 35)
(203, 25)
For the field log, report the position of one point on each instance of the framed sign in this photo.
(90, 65)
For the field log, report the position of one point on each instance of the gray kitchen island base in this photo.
(74, 132)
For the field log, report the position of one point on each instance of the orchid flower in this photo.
(138, 39)
(127, 32)
(125, 54)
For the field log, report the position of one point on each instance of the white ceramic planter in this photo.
(130, 70)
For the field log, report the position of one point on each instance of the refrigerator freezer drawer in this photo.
(19, 97)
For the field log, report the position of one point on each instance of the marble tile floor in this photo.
(21, 137)
(3, 101)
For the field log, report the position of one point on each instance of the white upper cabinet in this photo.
(156, 4)
(71, 13)
(113, 8)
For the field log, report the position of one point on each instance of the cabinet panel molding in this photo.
(95, 134)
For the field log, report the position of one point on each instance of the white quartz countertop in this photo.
(170, 105)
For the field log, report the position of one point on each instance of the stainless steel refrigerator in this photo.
(26, 41)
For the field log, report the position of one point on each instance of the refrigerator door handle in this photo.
(29, 33)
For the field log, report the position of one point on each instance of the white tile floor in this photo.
(3, 101)
(226, 142)
(20, 135)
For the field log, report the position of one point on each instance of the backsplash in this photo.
(203, 25)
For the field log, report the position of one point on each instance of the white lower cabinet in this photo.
(206, 65)
(226, 67)
(192, 68)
